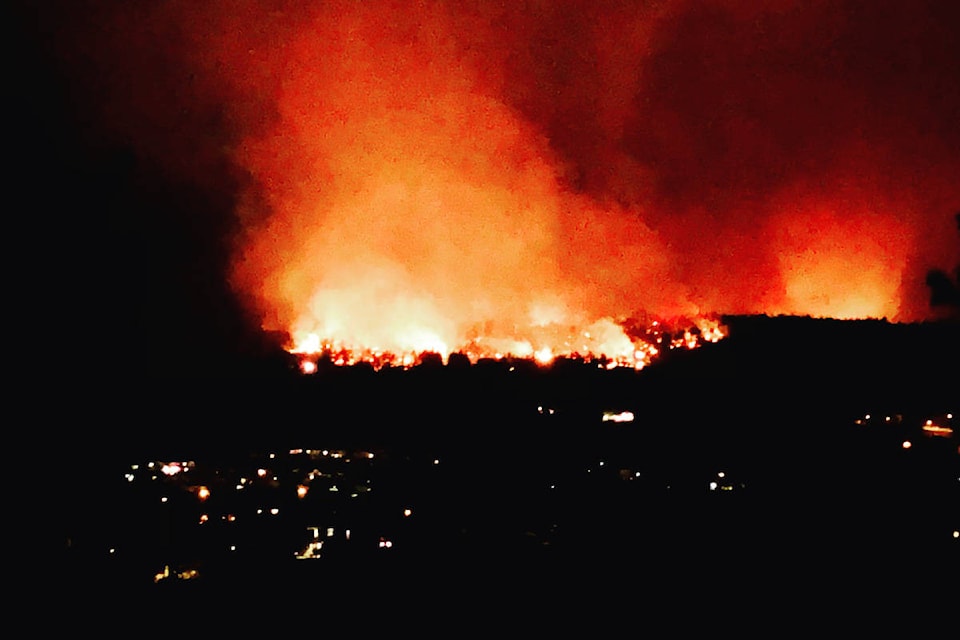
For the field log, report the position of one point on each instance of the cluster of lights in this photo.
(939, 426)
(618, 416)
(721, 485)
(167, 574)
(202, 493)
(932, 427)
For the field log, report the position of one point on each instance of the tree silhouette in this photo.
(944, 288)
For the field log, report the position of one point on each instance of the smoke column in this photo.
(420, 174)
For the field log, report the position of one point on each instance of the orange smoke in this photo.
(412, 204)
(840, 256)
(835, 269)
(533, 178)
(412, 210)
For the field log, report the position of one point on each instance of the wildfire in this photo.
(405, 198)
(604, 342)
(505, 179)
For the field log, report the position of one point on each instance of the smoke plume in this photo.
(420, 174)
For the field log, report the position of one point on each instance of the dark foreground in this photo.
(750, 480)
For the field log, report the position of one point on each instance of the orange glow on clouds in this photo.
(412, 210)
(406, 204)
(842, 266)
(511, 178)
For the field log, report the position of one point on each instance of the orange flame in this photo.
(605, 342)
(407, 196)
(504, 178)
(413, 211)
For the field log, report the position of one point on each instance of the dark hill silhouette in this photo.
(791, 368)
(813, 364)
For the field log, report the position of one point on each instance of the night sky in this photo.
(183, 166)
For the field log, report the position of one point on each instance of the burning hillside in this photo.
(495, 179)
(612, 345)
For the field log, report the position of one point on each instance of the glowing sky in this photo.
(442, 164)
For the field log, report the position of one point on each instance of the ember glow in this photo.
(606, 342)
(527, 181)
(423, 213)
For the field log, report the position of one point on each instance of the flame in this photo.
(544, 355)
(515, 179)
(612, 345)
(413, 210)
